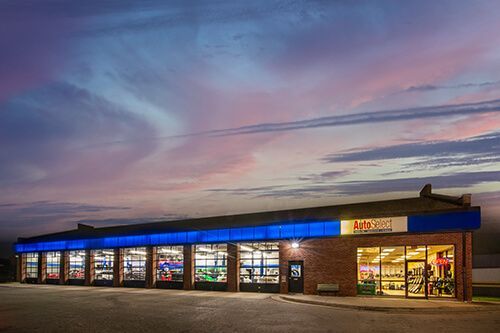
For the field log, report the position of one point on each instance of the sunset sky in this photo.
(126, 111)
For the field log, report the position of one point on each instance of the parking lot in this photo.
(45, 308)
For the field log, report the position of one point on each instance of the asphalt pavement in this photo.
(45, 308)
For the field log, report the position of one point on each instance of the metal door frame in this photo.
(296, 262)
(424, 261)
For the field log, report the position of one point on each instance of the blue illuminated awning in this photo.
(258, 233)
(449, 221)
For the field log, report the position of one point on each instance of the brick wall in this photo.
(20, 271)
(233, 276)
(89, 268)
(188, 267)
(64, 267)
(150, 267)
(118, 268)
(333, 260)
(42, 267)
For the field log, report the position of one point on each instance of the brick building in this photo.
(416, 247)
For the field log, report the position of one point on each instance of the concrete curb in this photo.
(398, 309)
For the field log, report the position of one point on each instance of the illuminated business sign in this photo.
(377, 225)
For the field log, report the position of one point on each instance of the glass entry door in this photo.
(415, 279)
(296, 276)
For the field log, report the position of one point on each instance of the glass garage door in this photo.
(259, 267)
(134, 267)
(211, 267)
(169, 267)
(103, 267)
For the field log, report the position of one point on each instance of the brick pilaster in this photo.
(233, 264)
(118, 268)
(42, 267)
(64, 267)
(89, 268)
(150, 267)
(188, 267)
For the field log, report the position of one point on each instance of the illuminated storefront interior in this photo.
(134, 264)
(259, 266)
(53, 265)
(77, 265)
(169, 266)
(411, 271)
(211, 266)
(31, 265)
(103, 266)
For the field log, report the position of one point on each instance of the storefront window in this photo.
(170, 263)
(103, 264)
(392, 270)
(77, 265)
(134, 263)
(259, 262)
(211, 263)
(368, 270)
(53, 265)
(441, 268)
(31, 265)
(414, 271)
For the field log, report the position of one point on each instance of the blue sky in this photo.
(127, 111)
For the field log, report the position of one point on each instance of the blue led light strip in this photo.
(269, 232)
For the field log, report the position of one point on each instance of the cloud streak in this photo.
(473, 150)
(431, 87)
(53, 209)
(401, 115)
(454, 180)
(367, 118)
(366, 187)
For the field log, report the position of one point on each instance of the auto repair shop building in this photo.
(414, 247)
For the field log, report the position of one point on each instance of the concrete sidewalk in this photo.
(389, 304)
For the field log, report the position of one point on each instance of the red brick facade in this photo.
(188, 267)
(118, 268)
(233, 270)
(326, 260)
(333, 260)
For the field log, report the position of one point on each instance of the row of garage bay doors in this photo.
(258, 266)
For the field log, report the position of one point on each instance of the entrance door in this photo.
(296, 276)
(416, 279)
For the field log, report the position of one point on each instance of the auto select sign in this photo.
(374, 225)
